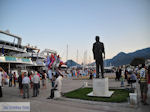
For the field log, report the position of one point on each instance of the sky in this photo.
(123, 25)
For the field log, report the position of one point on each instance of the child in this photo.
(122, 81)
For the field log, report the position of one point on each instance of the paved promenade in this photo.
(41, 104)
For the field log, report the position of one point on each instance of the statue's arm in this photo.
(93, 50)
(104, 51)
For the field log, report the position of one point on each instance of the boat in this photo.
(8, 50)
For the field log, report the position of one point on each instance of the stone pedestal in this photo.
(100, 88)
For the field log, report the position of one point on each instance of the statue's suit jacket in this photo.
(98, 49)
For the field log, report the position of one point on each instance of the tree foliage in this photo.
(137, 61)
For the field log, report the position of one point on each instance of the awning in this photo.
(11, 59)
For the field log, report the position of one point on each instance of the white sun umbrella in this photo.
(64, 66)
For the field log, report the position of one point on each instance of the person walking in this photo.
(25, 82)
(119, 75)
(21, 76)
(39, 85)
(125, 73)
(1, 78)
(10, 79)
(31, 78)
(51, 77)
(44, 79)
(122, 80)
(148, 72)
(35, 81)
(144, 84)
(99, 54)
(14, 77)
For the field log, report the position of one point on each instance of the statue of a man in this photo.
(99, 53)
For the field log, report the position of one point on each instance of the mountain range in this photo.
(125, 58)
(71, 63)
(120, 59)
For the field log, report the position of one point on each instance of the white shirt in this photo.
(58, 82)
(50, 74)
(36, 79)
(26, 80)
(142, 73)
(122, 73)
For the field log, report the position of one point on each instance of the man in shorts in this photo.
(143, 84)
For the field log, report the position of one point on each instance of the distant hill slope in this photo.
(125, 58)
(71, 63)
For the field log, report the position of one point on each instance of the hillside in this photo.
(71, 63)
(125, 58)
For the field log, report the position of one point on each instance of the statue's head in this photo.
(97, 38)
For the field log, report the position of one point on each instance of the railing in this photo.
(12, 48)
(30, 55)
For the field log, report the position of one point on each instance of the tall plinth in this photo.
(100, 88)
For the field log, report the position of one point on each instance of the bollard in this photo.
(133, 98)
(85, 84)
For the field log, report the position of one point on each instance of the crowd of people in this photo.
(33, 80)
(79, 72)
(132, 75)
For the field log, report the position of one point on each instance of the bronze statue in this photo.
(99, 54)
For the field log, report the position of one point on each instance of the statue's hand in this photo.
(104, 56)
